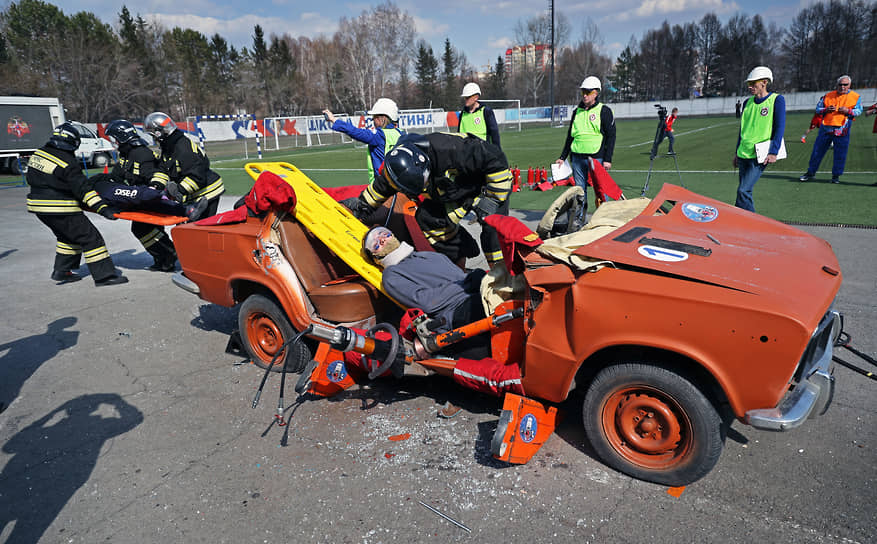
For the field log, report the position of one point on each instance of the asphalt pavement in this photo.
(125, 421)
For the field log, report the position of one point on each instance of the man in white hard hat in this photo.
(476, 118)
(762, 119)
(838, 108)
(380, 139)
(591, 133)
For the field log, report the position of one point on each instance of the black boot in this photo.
(65, 276)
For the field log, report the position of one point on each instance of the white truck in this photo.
(29, 123)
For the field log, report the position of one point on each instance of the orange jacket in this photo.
(835, 119)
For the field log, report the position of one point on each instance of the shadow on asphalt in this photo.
(24, 356)
(53, 457)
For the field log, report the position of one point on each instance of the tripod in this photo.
(662, 115)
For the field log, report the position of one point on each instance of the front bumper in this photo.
(814, 389)
(181, 281)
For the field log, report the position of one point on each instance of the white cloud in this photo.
(239, 31)
(503, 42)
(428, 28)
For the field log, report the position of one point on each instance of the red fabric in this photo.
(511, 231)
(270, 192)
(489, 376)
(816, 121)
(669, 122)
(544, 186)
(343, 193)
(603, 183)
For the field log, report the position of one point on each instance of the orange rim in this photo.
(647, 427)
(264, 337)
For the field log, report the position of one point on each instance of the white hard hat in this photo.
(470, 89)
(760, 72)
(385, 106)
(591, 82)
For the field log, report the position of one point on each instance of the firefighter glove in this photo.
(108, 211)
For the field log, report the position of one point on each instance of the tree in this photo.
(496, 83)
(451, 87)
(426, 71)
(579, 61)
(528, 80)
(709, 32)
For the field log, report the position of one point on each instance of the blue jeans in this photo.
(750, 171)
(820, 147)
(580, 169)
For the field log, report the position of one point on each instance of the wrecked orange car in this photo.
(673, 316)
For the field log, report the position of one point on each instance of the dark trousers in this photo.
(156, 242)
(77, 236)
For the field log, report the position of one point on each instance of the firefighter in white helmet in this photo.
(385, 116)
(475, 117)
(591, 133)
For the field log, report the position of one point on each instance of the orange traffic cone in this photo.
(106, 169)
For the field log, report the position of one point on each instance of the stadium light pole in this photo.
(551, 52)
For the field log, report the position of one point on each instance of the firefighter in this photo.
(58, 191)
(184, 168)
(450, 175)
(136, 169)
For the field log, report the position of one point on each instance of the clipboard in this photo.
(761, 149)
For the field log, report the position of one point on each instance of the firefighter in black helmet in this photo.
(136, 183)
(58, 189)
(185, 169)
(452, 174)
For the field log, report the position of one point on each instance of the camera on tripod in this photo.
(662, 111)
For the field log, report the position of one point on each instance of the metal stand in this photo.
(654, 153)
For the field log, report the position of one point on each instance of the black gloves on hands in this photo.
(358, 207)
(109, 212)
(173, 191)
(486, 206)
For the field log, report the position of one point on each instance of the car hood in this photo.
(700, 239)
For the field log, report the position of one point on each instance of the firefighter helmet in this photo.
(590, 83)
(760, 72)
(385, 106)
(65, 136)
(470, 89)
(407, 167)
(124, 132)
(159, 124)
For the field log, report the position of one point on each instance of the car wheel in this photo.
(264, 328)
(18, 166)
(652, 423)
(100, 160)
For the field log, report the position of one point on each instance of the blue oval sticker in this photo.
(699, 213)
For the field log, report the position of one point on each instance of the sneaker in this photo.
(803, 139)
(671, 152)
(196, 210)
(806, 176)
(65, 276)
(112, 280)
(835, 180)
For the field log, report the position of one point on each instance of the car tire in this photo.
(264, 328)
(16, 167)
(100, 160)
(653, 423)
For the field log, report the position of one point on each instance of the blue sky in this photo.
(480, 30)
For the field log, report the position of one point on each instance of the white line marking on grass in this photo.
(650, 142)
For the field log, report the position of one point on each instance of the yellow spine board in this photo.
(325, 218)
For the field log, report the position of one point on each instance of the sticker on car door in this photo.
(662, 254)
(699, 213)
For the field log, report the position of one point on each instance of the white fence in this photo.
(284, 132)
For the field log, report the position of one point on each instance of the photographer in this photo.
(591, 133)
(666, 129)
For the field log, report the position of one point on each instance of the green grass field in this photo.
(705, 147)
